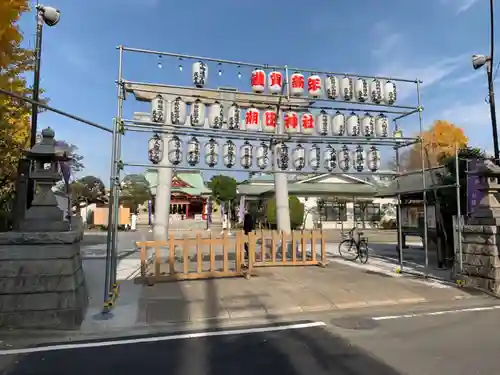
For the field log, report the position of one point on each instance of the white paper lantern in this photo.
(291, 122)
(275, 80)
(246, 155)
(368, 125)
(358, 159)
(362, 90)
(252, 119)
(323, 123)
(229, 154)
(178, 112)
(314, 86)
(315, 157)
(389, 93)
(344, 159)
(270, 120)
(175, 147)
(258, 80)
(193, 156)
(338, 124)
(373, 159)
(282, 157)
(158, 108)
(381, 126)
(297, 83)
(200, 74)
(332, 87)
(307, 123)
(234, 117)
(346, 85)
(352, 125)
(212, 153)
(216, 115)
(197, 116)
(263, 156)
(155, 149)
(299, 157)
(329, 158)
(376, 91)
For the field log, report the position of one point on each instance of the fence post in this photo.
(323, 247)
(171, 254)
(304, 246)
(211, 252)
(199, 255)
(313, 245)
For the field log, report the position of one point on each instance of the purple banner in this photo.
(474, 196)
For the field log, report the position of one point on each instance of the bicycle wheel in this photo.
(363, 252)
(348, 249)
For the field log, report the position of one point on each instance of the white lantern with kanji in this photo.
(275, 81)
(297, 84)
(381, 126)
(373, 159)
(368, 125)
(376, 91)
(175, 149)
(258, 80)
(158, 108)
(197, 116)
(282, 157)
(358, 159)
(315, 157)
(212, 153)
(291, 122)
(347, 89)
(362, 90)
(329, 158)
(353, 127)
(338, 124)
(252, 119)
(314, 86)
(234, 117)
(307, 123)
(229, 154)
(193, 152)
(246, 155)
(323, 123)
(270, 120)
(200, 74)
(299, 157)
(344, 159)
(216, 115)
(390, 93)
(332, 87)
(178, 111)
(155, 149)
(262, 156)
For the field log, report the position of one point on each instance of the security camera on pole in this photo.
(50, 16)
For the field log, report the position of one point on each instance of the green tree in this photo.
(223, 188)
(135, 191)
(296, 212)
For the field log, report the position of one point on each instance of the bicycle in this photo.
(352, 249)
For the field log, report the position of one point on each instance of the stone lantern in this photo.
(488, 210)
(44, 215)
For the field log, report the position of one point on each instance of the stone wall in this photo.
(481, 265)
(42, 283)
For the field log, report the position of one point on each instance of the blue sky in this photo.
(430, 39)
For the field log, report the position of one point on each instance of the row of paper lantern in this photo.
(346, 88)
(329, 158)
(254, 120)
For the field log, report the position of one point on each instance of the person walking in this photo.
(248, 226)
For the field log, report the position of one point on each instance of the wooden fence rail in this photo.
(189, 258)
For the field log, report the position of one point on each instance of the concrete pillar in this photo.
(281, 188)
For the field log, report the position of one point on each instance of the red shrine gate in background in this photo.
(186, 200)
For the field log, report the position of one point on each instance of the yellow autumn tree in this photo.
(439, 142)
(14, 114)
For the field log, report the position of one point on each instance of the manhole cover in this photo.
(355, 323)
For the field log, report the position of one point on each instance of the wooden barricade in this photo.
(266, 248)
(193, 258)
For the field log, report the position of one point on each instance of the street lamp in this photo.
(478, 61)
(50, 16)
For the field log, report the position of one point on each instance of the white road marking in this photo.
(50, 348)
(435, 313)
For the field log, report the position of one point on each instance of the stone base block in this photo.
(489, 285)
